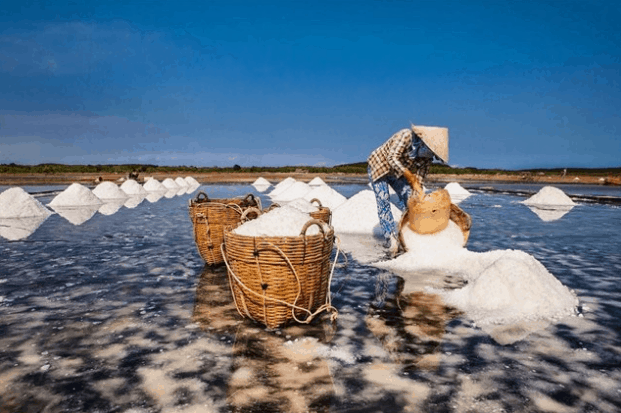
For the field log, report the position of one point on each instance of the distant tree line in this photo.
(353, 168)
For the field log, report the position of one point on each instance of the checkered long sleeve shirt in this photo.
(393, 158)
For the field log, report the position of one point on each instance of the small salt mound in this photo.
(329, 197)
(457, 192)
(191, 181)
(282, 186)
(296, 190)
(358, 215)
(170, 184)
(303, 205)
(317, 181)
(549, 196)
(153, 185)
(17, 203)
(261, 182)
(181, 182)
(131, 187)
(75, 195)
(280, 222)
(109, 190)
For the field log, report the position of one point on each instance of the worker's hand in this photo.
(416, 186)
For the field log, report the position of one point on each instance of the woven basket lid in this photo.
(436, 138)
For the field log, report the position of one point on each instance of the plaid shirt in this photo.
(393, 158)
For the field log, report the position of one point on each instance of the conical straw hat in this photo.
(436, 138)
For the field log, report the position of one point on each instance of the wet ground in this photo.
(119, 314)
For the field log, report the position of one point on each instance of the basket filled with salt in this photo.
(211, 216)
(322, 213)
(279, 267)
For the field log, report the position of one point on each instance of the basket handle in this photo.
(198, 197)
(244, 215)
(273, 206)
(322, 226)
(318, 201)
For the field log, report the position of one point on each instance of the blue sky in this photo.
(519, 84)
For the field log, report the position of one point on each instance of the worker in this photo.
(402, 163)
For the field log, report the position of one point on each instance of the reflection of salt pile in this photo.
(131, 187)
(134, 200)
(457, 192)
(17, 203)
(77, 215)
(329, 197)
(154, 196)
(503, 286)
(191, 181)
(109, 190)
(303, 205)
(358, 215)
(295, 190)
(170, 184)
(281, 187)
(153, 185)
(181, 182)
(15, 229)
(171, 193)
(549, 203)
(111, 206)
(261, 184)
(77, 204)
(316, 181)
(279, 222)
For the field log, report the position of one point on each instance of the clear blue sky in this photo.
(519, 84)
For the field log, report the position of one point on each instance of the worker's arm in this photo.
(400, 143)
(416, 184)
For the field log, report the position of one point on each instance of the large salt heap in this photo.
(131, 187)
(75, 195)
(327, 196)
(17, 203)
(549, 203)
(153, 185)
(296, 190)
(282, 186)
(109, 190)
(457, 192)
(358, 214)
(280, 222)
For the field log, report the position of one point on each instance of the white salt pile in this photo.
(549, 196)
(170, 184)
(261, 182)
(153, 185)
(131, 187)
(17, 203)
(75, 195)
(316, 181)
(358, 215)
(280, 222)
(296, 190)
(503, 287)
(191, 181)
(15, 229)
(181, 182)
(329, 197)
(457, 192)
(303, 205)
(282, 186)
(109, 190)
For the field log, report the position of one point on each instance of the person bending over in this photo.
(402, 163)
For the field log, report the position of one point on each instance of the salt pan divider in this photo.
(276, 279)
(210, 217)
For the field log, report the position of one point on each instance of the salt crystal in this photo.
(358, 214)
(327, 196)
(75, 195)
(153, 185)
(280, 222)
(170, 184)
(17, 203)
(109, 190)
(131, 187)
(296, 190)
(181, 182)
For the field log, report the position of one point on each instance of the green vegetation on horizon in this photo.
(355, 168)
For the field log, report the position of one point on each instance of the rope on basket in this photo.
(324, 307)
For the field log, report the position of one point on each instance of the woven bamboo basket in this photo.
(323, 213)
(277, 279)
(209, 219)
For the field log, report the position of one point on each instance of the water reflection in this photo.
(134, 200)
(77, 215)
(153, 197)
(551, 213)
(111, 206)
(261, 188)
(15, 229)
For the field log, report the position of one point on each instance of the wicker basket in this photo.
(323, 213)
(276, 279)
(209, 219)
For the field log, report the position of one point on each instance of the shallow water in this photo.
(120, 314)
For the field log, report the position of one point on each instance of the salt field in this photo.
(113, 310)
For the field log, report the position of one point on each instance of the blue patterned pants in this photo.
(382, 197)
